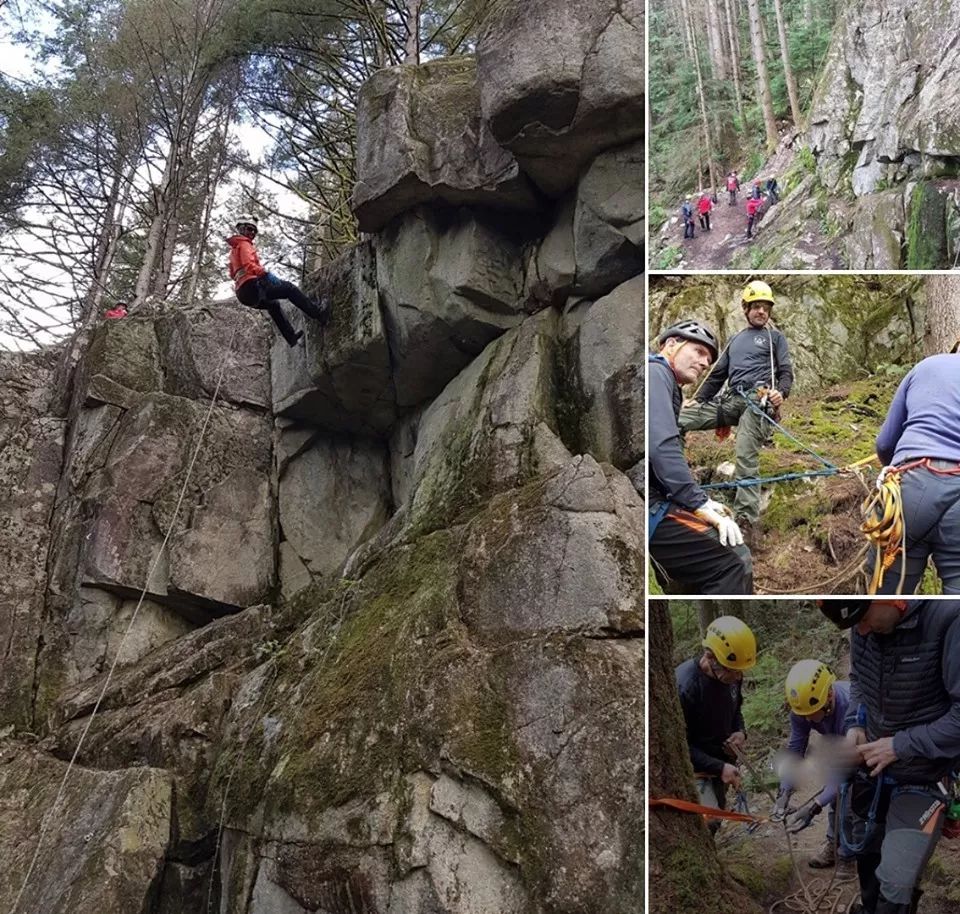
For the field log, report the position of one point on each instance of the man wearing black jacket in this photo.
(695, 545)
(758, 374)
(904, 725)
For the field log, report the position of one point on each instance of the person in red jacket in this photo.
(257, 288)
(704, 205)
(753, 208)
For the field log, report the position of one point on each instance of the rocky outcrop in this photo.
(561, 82)
(390, 657)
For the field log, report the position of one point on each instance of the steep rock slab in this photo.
(560, 82)
(104, 850)
(876, 232)
(221, 554)
(604, 376)
(608, 225)
(31, 451)
(421, 139)
(194, 353)
(339, 377)
(450, 284)
(414, 751)
(491, 429)
(888, 95)
(122, 363)
(333, 495)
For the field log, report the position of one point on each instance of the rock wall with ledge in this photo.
(394, 642)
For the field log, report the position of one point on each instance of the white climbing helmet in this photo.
(247, 219)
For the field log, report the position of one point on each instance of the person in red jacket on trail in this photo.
(257, 288)
(753, 209)
(733, 185)
(704, 205)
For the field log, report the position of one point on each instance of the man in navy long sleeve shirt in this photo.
(695, 547)
(756, 359)
(923, 424)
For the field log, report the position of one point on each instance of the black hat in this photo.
(844, 613)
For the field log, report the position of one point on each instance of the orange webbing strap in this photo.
(710, 812)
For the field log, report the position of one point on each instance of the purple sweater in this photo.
(924, 417)
(800, 728)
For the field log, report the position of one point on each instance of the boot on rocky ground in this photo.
(824, 858)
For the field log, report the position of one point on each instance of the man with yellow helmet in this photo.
(711, 699)
(755, 369)
(818, 701)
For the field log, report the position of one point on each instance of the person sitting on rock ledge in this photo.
(695, 545)
(257, 288)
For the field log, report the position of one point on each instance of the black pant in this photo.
(688, 228)
(733, 198)
(909, 822)
(263, 293)
(750, 222)
(688, 558)
(705, 221)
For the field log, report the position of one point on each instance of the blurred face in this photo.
(882, 617)
(720, 672)
(819, 715)
(758, 313)
(247, 230)
(689, 359)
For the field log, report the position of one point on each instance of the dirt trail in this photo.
(714, 250)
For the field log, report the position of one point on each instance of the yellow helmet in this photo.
(731, 642)
(757, 291)
(808, 687)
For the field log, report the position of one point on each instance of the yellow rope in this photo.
(885, 529)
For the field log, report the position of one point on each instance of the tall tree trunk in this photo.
(733, 36)
(683, 857)
(787, 69)
(763, 77)
(688, 36)
(942, 328)
(719, 63)
(704, 119)
(808, 12)
(412, 48)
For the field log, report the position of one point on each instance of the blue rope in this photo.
(781, 429)
(763, 480)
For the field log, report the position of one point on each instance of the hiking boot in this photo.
(846, 867)
(824, 858)
(750, 530)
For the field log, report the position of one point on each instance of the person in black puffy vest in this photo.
(904, 726)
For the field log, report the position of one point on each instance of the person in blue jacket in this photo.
(695, 545)
(818, 703)
(922, 432)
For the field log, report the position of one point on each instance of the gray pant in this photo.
(931, 513)
(713, 792)
(731, 409)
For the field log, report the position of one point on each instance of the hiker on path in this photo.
(686, 213)
(772, 192)
(817, 701)
(733, 185)
(921, 436)
(754, 205)
(749, 383)
(904, 733)
(695, 545)
(704, 205)
(257, 288)
(711, 699)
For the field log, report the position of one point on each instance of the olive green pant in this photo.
(731, 409)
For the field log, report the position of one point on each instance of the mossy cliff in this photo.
(391, 657)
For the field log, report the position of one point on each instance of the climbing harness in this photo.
(884, 523)
(47, 819)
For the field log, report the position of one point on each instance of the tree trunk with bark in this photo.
(733, 38)
(787, 69)
(412, 48)
(763, 77)
(942, 330)
(685, 872)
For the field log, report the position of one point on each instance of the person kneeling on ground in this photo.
(711, 699)
(818, 702)
(257, 288)
(903, 729)
(695, 545)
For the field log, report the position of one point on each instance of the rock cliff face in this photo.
(884, 129)
(390, 655)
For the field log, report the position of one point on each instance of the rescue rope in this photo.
(143, 593)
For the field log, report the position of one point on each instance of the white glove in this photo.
(718, 516)
(882, 475)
